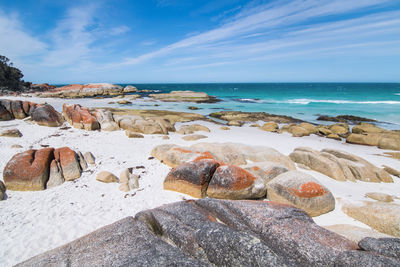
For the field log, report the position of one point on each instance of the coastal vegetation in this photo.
(10, 76)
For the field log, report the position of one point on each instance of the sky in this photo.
(169, 41)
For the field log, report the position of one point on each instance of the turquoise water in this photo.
(379, 101)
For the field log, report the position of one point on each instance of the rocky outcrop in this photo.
(210, 232)
(34, 170)
(229, 153)
(185, 96)
(80, 117)
(130, 89)
(85, 90)
(46, 115)
(106, 177)
(345, 119)
(29, 170)
(301, 190)
(384, 217)
(192, 128)
(11, 133)
(134, 123)
(106, 120)
(340, 165)
(371, 135)
(2, 190)
(238, 116)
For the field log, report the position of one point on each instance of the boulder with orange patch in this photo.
(29, 170)
(80, 117)
(302, 191)
(233, 182)
(191, 178)
(69, 163)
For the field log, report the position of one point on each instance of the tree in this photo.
(10, 77)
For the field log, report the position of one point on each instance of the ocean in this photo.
(306, 101)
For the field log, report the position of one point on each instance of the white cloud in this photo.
(15, 41)
(119, 30)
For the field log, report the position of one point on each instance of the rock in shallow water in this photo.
(207, 232)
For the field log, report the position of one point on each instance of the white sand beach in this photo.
(34, 222)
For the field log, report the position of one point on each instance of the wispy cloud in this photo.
(266, 22)
(15, 41)
(119, 30)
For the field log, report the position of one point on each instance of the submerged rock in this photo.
(185, 96)
(232, 116)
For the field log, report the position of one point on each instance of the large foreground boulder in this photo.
(340, 165)
(301, 190)
(208, 232)
(384, 217)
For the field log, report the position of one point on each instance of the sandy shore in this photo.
(34, 222)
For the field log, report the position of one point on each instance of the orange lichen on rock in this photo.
(204, 155)
(255, 168)
(182, 150)
(309, 190)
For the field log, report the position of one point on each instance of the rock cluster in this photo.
(229, 153)
(237, 118)
(185, 96)
(85, 90)
(44, 114)
(80, 117)
(211, 232)
(215, 173)
(138, 124)
(340, 165)
(371, 135)
(34, 170)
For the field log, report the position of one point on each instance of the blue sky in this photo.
(123, 41)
